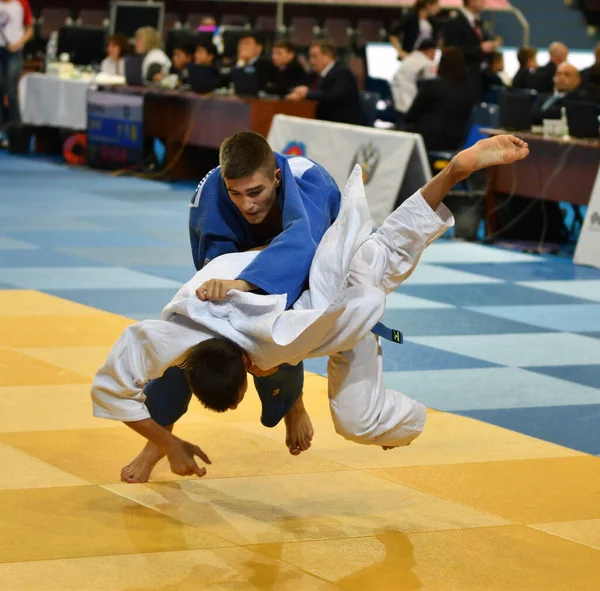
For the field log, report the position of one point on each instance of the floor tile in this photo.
(587, 290)
(493, 388)
(32, 517)
(121, 301)
(7, 243)
(17, 369)
(98, 455)
(78, 239)
(21, 471)
(523, 491)
(503, 294)
(576, 427)
(48, 408)
(579, 318)
(181, 273)
(97, 330)
(458, 252)
(586, 532)
(524, 350)
(144, 221)
(82, 360)
(298, 507)
(401, 301)
(586, 375)
(453, 321)
(42, 257)
(551, 270)
(514, 558)
(135, 256)
(187, 570)
(83, 278)
(436, 275)
(20, 302)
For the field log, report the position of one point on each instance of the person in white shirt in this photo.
(351, 273)
(117, 49)
(16, 28)
(418, 65)
(156, 64)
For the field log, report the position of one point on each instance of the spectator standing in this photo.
(417, 26)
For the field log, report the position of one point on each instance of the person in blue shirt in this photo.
(254, 198)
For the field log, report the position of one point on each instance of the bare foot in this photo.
(494, 151)
(140, 469)
(299, 429)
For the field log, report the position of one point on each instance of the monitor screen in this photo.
(383, 63)
(128, 17)
(85, 45)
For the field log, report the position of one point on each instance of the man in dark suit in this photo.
(333, 85)
(465, 31)
(543, 79)
(567, 87)
(287, 72)
(527, 57)
(586, 74)
(250, 56)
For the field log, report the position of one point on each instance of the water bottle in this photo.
(52, 48)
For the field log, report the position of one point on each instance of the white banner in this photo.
(588, 246)
(394, 163)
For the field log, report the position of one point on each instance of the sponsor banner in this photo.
(588, 245)
(394, 164)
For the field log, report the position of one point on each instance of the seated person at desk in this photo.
(117, 49)
(495, 74)
(527, 57)
(543, 79)
(250, 57)
(417, 65)
(567, 87)
(443, 106)
(206, 57)
(156, 64)
(287, 72)
(332, 84)
(586, 73)
(183, 56)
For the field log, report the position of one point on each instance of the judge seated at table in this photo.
(287, 72)
(567, 87)
(206, 55)
(333, 85)
(156, 64)
(183, 56)
(117, 49)
(250, 57)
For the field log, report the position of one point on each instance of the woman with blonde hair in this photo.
(156, 64)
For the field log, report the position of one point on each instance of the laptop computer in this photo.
(582, 119)
(133, 70)
(245, 82)
(202, 79)
(515, 111)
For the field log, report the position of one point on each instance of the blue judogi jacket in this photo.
(309, 200)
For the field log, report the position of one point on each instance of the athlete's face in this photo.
(254, 195)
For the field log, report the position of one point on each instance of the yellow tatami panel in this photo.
(18, 369)
(524, 491)
(26, 302)
(585, 532)
(92, 330)
(513, 558)
(83, 360)
(217, 569)
(303, 506)
(50, 523)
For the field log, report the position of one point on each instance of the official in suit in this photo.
(250, 55)
(527, 57)
(333, 85)
(466, 32)
(287, 72)
(543, 79)
(443, 106)
(417, 26)
(567, 87)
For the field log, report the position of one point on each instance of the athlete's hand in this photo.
(216, 290)
(262, 373)
(181, 454)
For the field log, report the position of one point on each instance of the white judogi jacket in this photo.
(351, 274)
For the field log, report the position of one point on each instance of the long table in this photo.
(558, 169)
(185, 120)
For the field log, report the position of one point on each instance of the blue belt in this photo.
(388, 333)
